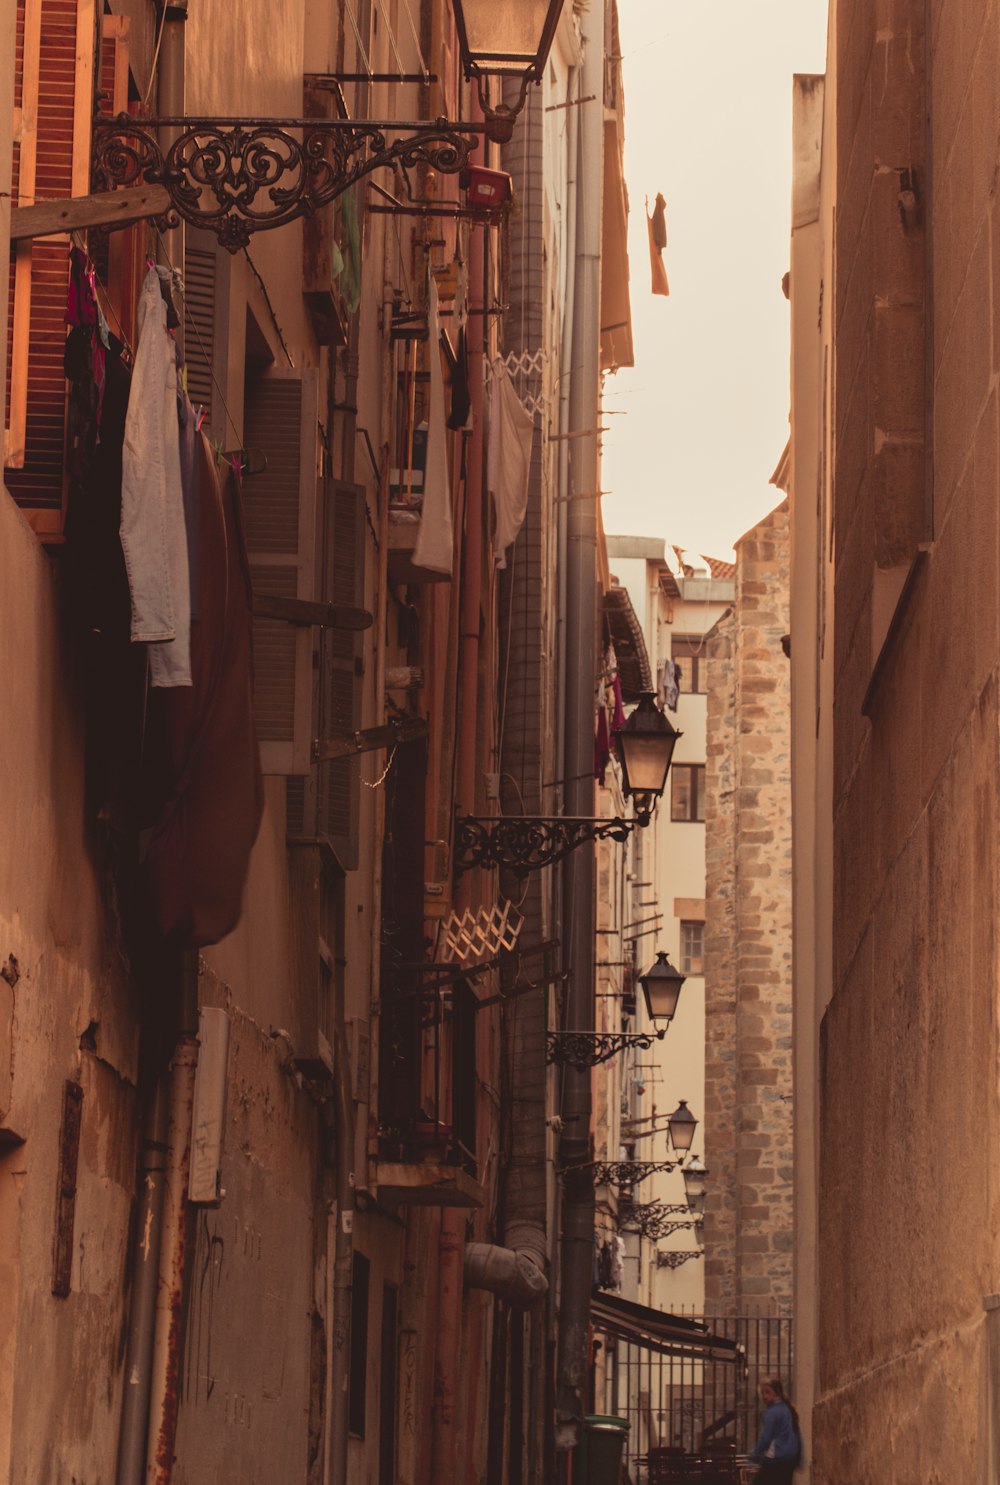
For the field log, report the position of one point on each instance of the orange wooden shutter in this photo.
(53, 109)
(280, 418)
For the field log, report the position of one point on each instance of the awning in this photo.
(669, 1335)
(630, 645)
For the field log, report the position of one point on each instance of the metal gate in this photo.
(689, 1403)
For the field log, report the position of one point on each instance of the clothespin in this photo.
(199, 418)
(218, 451)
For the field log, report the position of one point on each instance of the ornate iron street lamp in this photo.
(652, 1220)
(584, 1049)
(661, 987)
(695, 1184)
(501, 41)
(645, 750)
(681, 1127)
(237, 176)
(524, 843)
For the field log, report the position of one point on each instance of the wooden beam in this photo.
(347, 744)
(106, 209)
(302, 611)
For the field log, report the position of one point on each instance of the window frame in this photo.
(688, 651)
(688, 960)
(696, 794)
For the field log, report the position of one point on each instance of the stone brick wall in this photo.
(908, 1042)
(748, 948)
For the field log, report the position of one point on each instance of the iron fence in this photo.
(690, 1404)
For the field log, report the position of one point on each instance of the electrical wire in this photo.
(156, 54)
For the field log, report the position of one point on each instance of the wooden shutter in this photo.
(280, 417)
(340, 701)
(53, 110)
(199, 327)
(120, 256)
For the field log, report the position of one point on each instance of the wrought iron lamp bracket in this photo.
(235, 177)
(628, 1172)
(674, 1258)
(525, 843)
(583, 1049)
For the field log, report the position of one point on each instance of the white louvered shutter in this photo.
(280, 418)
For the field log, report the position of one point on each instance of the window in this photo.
(689, 652)
(687, 791)
(692, 948)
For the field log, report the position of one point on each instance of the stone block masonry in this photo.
(748, 942)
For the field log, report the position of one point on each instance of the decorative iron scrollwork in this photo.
(652, 1219)
(584, 1049)
(675, 1257)
(235, 177)
(628, 1172)
(524, 843)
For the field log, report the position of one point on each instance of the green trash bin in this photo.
(598, 1456)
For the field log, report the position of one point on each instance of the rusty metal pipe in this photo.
(165, 1367)
(343, 1259)
(145, 1273)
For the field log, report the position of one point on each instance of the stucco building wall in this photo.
(748, 1056)
(908, 1043)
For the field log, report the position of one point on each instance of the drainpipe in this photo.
(565, 387)
(451, 1237)
(165, 1362)
(170, 100)
(343, 1256)
(581, 653)
(145, 1274)
(344, 1113)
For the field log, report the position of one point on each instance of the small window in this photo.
(689, 652)
(358, 1396)
(687, 791)
(692, 948)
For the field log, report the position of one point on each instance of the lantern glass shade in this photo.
(645, 749)
(682, 1125)
(661, 986)
(506, 35)
(695, 1186)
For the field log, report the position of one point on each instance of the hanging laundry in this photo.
(113, 670)
(434, 549)
(618, 715)
(669, 684)
(199, 848)
(618, 1261)
(602, 745)
(153, 532)
(656, 227)
(509, 461)
(461, 395)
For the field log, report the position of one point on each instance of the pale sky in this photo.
(708, 122)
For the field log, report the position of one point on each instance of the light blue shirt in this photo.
(779, 1430)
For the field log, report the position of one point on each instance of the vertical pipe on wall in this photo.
(145, 1274)
(581, 652)
(165, 1368)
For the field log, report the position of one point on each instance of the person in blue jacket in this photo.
(779, 1449)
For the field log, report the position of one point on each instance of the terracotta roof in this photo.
(719, 569)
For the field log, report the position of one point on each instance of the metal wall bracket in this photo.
(235, 177)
